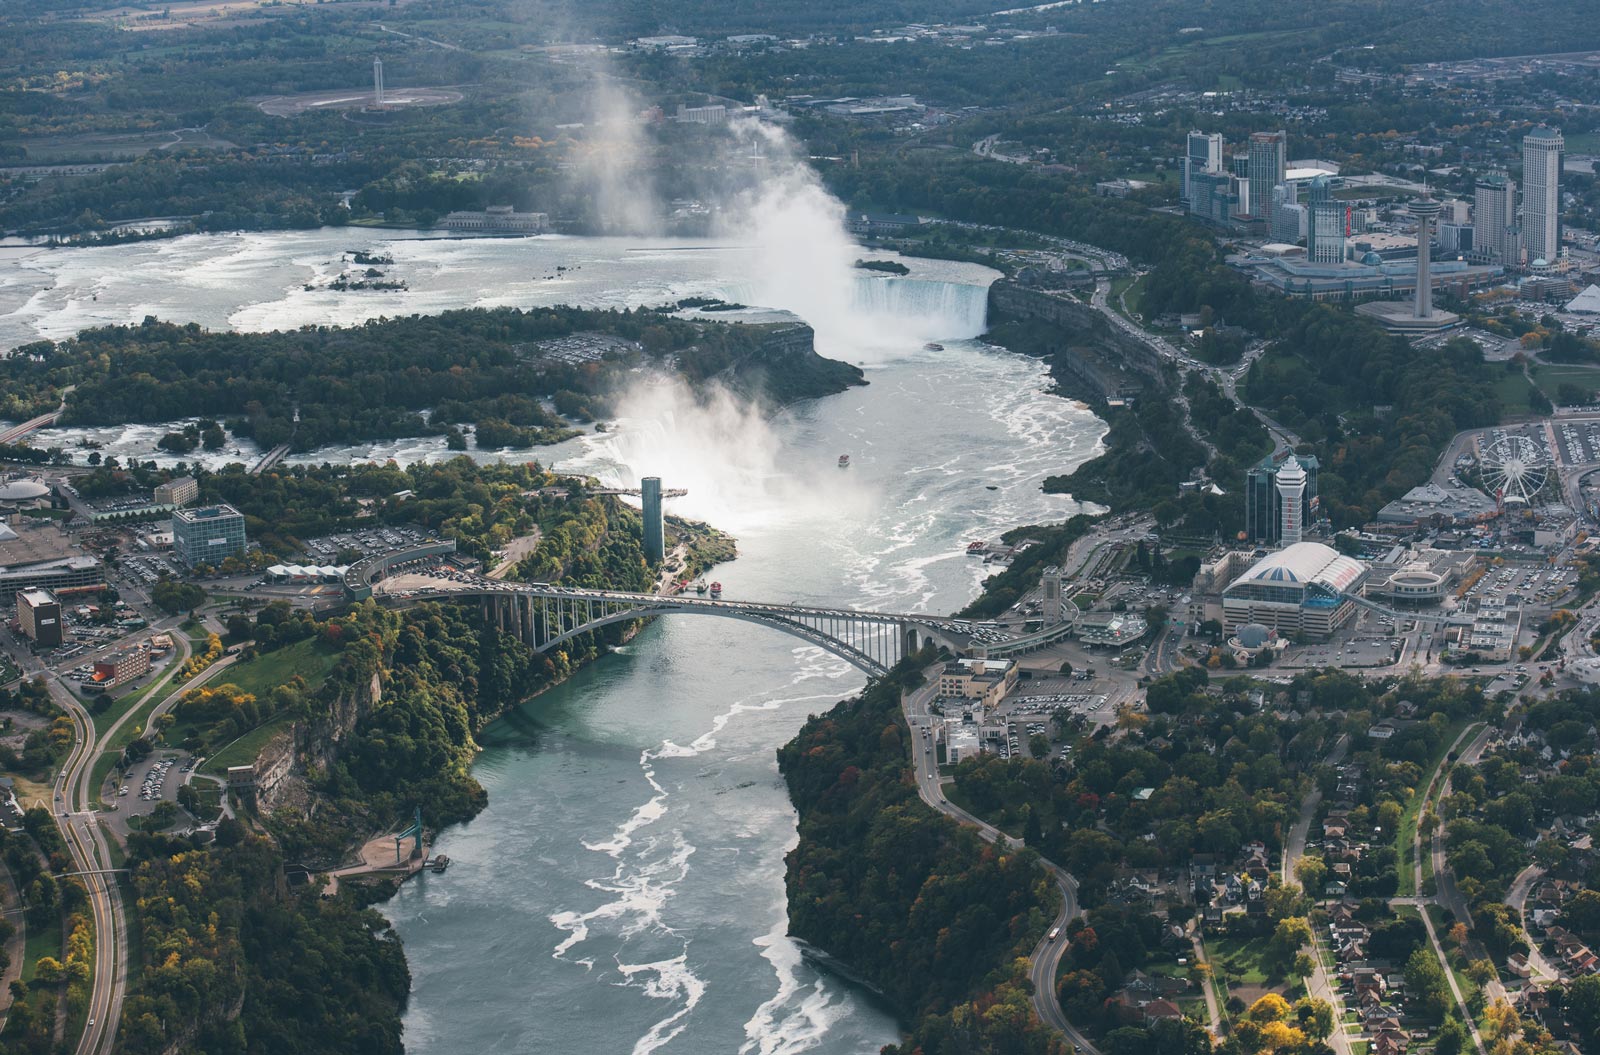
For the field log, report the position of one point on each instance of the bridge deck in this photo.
(425, 587)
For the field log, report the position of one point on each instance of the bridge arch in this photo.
(849, 653)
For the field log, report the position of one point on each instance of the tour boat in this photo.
(975, 549)
(844, 461)
(933, 346)
(716, 589)
(700, 586)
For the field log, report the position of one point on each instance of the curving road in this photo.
(87, 845)
(1517, 899)
(1047, 954)
(74, 811)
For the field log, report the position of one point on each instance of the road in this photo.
(73, 807)
(1448, 896)
(87, 845)
(1208, 986)
(1308, 809)
(1517, 899)
(1046, 956)
(16, 432)
(1320, 986)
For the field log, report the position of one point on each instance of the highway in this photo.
(86, 843)
(73, 808)
(1046, 956)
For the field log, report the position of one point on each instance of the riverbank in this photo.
(922, 907)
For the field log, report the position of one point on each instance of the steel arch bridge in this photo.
(545, 617)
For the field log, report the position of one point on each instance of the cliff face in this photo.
(281, 765)
(1087, 355)
(785, 367)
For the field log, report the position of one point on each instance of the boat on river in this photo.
(844, 461)
(716, 590)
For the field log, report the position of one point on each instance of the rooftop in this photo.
(1307, 563)
(32, 544)
(190, 516)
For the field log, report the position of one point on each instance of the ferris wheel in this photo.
(1515, 469)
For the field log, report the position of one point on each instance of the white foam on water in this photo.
(639, 893)
(649, 813)
(672, 980)
(797, 1016)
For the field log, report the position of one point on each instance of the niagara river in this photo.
(623, 891)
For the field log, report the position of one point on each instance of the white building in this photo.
(1541, 193)
(1291, 481)
(1203, 155)
(1302, 590)
(500, 219)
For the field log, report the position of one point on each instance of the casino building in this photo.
(1301, 591)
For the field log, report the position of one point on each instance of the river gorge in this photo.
(623, 891)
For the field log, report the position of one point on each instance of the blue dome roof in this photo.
(1372, 259)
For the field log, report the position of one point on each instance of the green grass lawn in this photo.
(1244, 961)
(1512, 392)
(1135, 295)
(244, 750)
(41, 941)
(1550, 377)
(311, 659)
(1583, 143)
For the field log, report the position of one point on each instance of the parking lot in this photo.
(1031, 715)
(1529, 583)
(150, 568)
(152, 781)
(1579, 441)
(368, 543)
(1352, 652)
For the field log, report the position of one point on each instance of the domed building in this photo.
(1252, 639)
(22, 490)
(1303, 591)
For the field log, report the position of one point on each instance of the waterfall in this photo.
(926, 309)
(871, 312)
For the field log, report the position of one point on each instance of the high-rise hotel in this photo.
(1541, 194)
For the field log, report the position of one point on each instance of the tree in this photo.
(1481, 972)
(1312, 872)
(1582, 1005)
(164, 814)
(48, 969)
(1315, 1015)
(1304, 965)
(1039, 745)
(1452, 1039)
(1032, 832)
(1292, 934)
(1269, 1008)
(1425, 984)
